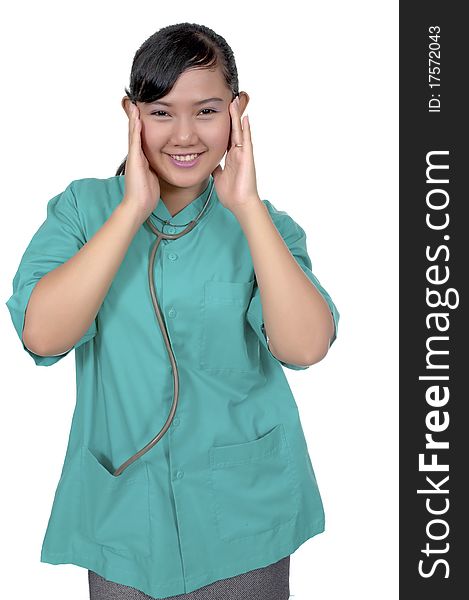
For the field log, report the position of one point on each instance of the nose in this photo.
(185, 131)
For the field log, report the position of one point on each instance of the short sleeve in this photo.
(295, 239)
(58, 238)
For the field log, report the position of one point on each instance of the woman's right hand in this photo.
(142, 188)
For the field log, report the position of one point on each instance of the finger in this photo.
(246, 131)
(236, 133)
(131, 124)
(128, 129)
(135, 134)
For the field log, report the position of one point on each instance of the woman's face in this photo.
(180, 123)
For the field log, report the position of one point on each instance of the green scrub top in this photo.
(230, 487)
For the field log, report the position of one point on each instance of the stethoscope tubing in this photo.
(160, 236)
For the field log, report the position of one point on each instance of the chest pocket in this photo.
(227, 341)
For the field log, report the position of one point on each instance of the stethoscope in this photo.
(160, 236)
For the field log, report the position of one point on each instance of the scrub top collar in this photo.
(188, 213)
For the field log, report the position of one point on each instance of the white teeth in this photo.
(184, 158)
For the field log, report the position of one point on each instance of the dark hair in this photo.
(166, 54)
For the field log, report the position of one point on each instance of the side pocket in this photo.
(254, 485)
(116, 509)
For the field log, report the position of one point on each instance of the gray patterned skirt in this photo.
(266, 583)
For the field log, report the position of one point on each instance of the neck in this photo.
(177, 198)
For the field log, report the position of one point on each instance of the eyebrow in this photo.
(195, 103)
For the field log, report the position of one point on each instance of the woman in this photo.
(214, 505)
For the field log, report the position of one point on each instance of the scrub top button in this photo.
(172, 313)
(172, 256)
(180, 474)
(171, 230)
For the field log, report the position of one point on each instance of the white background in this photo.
(322, 78)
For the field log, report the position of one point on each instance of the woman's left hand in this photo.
(236, 184)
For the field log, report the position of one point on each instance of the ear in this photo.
(243, 102)
(125, 102)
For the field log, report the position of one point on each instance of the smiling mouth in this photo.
(191, 160)
(187, 157)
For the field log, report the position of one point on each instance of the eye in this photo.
(163, 111)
